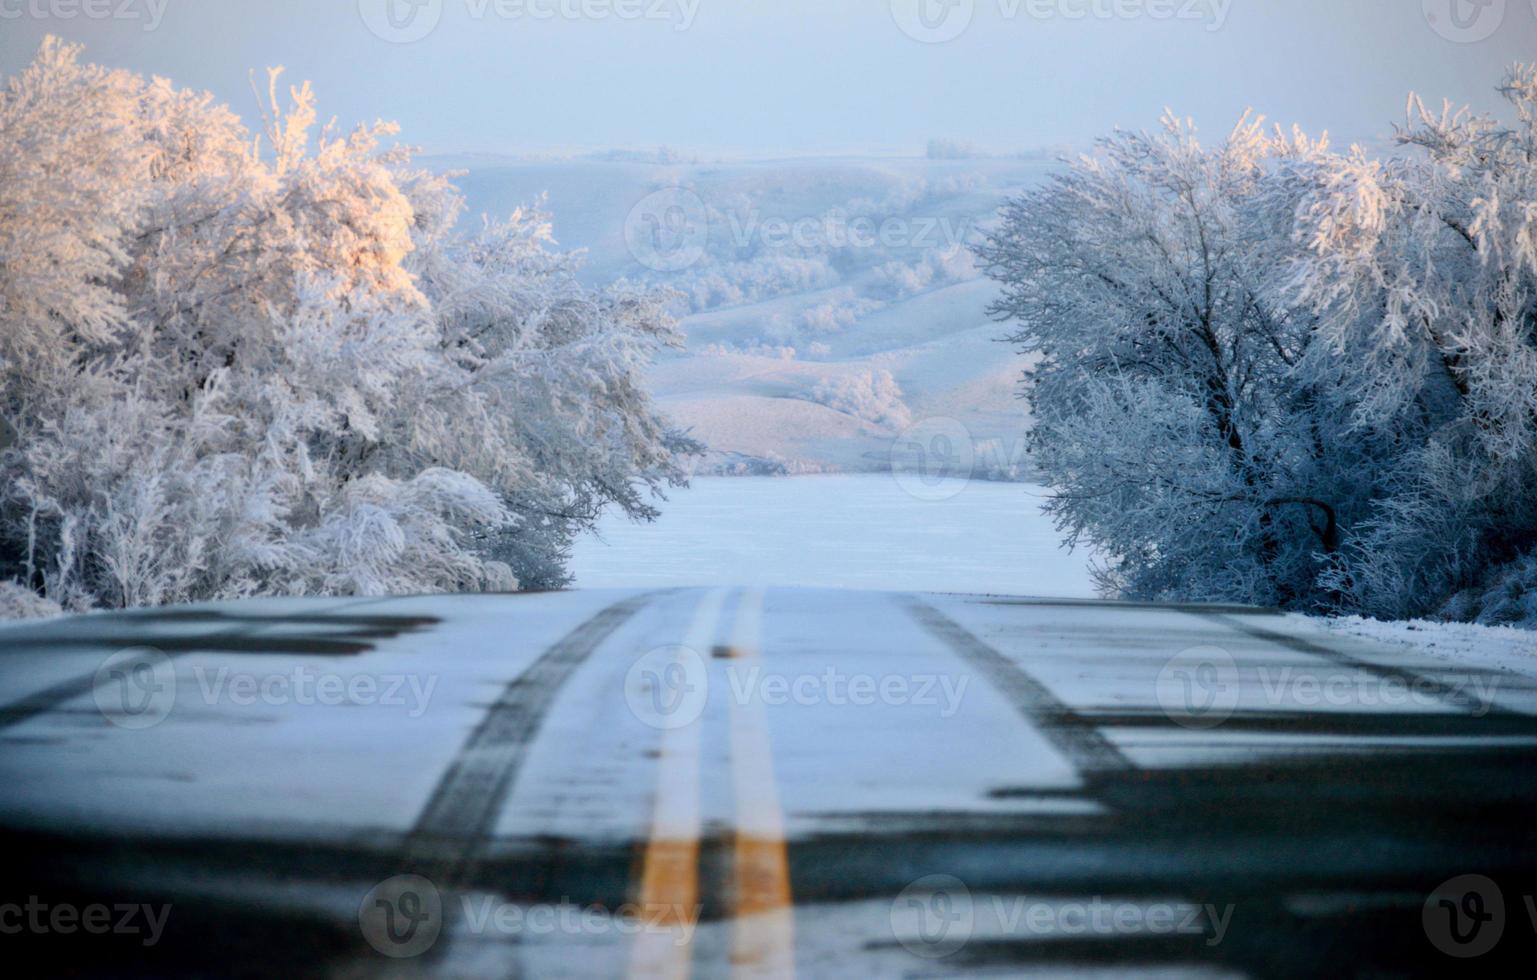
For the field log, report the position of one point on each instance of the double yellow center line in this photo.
(758, 898)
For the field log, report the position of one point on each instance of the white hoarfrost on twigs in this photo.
(1273, 372)
(234, 365)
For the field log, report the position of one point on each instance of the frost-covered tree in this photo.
(1423, 268)
(1271, 372)
(237, 364)
(1165, 414)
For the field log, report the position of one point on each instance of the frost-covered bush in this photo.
(870, 396)
(935, 268)
(734, 283)
(1506, 596)
(19, 602)
(240, 366)
(838, 313)
(1273, 372)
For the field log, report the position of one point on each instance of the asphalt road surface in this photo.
(746, 783)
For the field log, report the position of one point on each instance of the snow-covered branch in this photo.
(239, 366)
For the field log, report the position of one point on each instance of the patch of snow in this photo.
(1504, 648)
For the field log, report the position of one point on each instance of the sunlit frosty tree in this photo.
(1424, 268)
(1273, 372)
(234, 364)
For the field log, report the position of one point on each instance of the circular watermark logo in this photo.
(401, 21)
(933, 21)
(1198, 687)
(667, 687)
(402, 916)
(135, 688)
(1465, 916)
(933, 917)
(668, 230)
(1465, 21)
(934, 459)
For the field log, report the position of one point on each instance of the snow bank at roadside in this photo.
(1497, 647)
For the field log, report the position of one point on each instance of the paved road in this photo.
(731, 782)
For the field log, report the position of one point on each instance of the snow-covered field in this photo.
(861, 531)
(828, 303)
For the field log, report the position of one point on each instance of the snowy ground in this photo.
(865, 531)
(1505, 648)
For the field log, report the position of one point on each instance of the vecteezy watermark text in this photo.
(404, 916)
(404, 21)
(1199, 688)
(148, 12)
(669, 687)
(671, 229)
(938, 21)
(489, 916)
(937, 915)
(138, 687)
(1465, 916)
(1465, 21)
(835, 230)
(42, 918)
(305, 686)
(834, 687)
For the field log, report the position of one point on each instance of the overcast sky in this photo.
(777, 77)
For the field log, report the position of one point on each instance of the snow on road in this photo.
(836, 747)
(865, 531)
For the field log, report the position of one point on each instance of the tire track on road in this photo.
(1069, 732)
(445, 842)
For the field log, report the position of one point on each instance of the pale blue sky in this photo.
(778, 77)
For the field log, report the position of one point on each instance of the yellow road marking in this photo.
(759, 900)
(669, 887)
(763, 923)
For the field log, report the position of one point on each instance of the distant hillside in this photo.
(829, 304)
